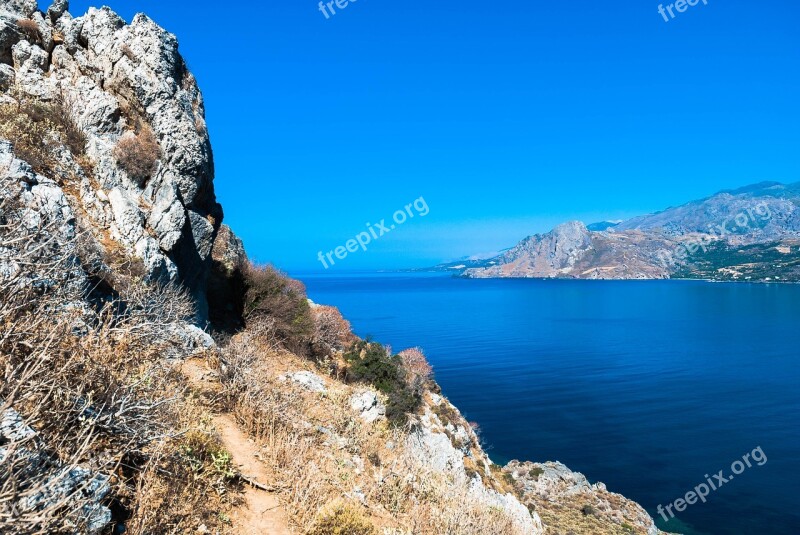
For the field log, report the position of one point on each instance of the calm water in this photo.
(646, 386)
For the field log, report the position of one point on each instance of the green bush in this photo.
(369, 362)
(270, 296)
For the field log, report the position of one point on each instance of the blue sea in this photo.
(646, 386)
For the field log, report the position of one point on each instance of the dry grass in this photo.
(341, 518)
(39, 129)
(95, 388)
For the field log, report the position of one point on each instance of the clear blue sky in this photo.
(508, 117)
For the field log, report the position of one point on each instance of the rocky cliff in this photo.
(118, 412)
(117, 81)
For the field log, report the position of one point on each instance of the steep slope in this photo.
(700, 239)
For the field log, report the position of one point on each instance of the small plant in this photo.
(588, 510)
(139, 154)
(535, 473)
(223, 464)
(342, 519)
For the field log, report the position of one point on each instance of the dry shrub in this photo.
(29, 29)
(271, 295)
(138, 154)
(99, 409)
(340, 518)
(39, 129)
(418, 369)
(332, 333)
(128, 52)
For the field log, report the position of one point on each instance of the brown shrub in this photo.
(272, 296)
(332, 333)
(29, 29)
(139, 154)
(418, 370)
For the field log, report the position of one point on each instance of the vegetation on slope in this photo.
(776, 261)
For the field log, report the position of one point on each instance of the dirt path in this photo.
(261, 513)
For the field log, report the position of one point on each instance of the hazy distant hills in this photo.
(751, 233)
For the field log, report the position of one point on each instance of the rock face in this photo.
(565, 498)
(674, 242)
(443, 442)
(117, 79)
(66, 480)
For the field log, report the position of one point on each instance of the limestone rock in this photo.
(114, 77)
(308, 380)
(368, 406)
(22, 8)
(57, 8)
(168, 216)
(228, 252)
(552, 488)
(7, 76)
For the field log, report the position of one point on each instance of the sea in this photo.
(652, 387)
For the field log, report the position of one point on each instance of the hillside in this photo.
(748, 234)
(154, 381)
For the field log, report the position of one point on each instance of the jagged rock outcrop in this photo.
(117, 79)
(368, 406)
(444, 442)
(567, 499)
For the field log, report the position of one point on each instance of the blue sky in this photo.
(508, 117)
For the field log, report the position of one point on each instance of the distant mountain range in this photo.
(747, 234)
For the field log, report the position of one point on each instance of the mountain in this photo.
(751, 233)
(154, 381)
(602, 225)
